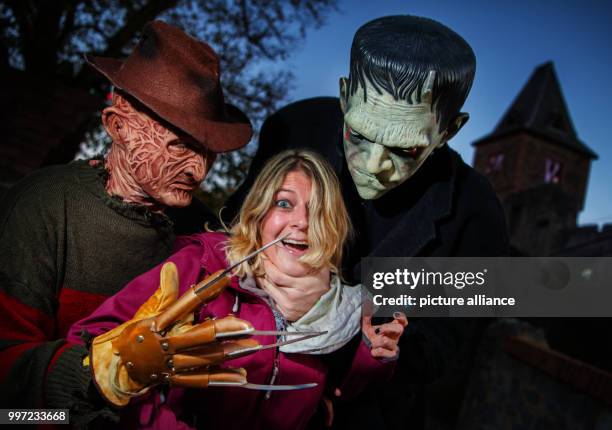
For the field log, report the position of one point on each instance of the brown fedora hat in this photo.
(177, 77)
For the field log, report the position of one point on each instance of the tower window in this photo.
(552, 171)
(495, 163)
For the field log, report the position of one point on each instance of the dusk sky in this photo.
(510, 39)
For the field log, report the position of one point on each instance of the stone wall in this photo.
(517, 383)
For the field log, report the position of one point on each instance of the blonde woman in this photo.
(296, 196)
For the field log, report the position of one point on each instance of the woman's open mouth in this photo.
(295, 246)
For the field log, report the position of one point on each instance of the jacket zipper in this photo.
(276, 364)
(275, 370)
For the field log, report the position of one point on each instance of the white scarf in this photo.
(338, 312)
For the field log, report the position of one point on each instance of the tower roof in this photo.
(540, 109)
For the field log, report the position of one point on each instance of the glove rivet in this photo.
(129, 365)
(140, 338)
(170, 363)
(164, 346)
(154, 376)
(166, 376)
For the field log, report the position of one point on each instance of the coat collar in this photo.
(437, 182)
(412, 211)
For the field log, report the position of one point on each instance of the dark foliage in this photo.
(252, 38)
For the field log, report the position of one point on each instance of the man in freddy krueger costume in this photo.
(407, 193)
(73, 235)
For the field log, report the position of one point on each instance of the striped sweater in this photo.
(65, 246)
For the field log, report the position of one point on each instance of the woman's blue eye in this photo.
(283, 204)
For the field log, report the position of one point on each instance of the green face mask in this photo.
(387, 140)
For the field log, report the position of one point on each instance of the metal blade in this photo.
(289, 341)
(286, 333)
(249, 333)
(263, 387)
(278, 387)
(242, 352)
(233, 266)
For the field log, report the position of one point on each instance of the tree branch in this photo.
(68, 27)
(134, 21)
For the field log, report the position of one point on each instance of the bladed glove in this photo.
(160, 344)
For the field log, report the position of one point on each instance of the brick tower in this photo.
(537, 165)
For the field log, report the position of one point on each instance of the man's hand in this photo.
(385, 337)
(294, 296)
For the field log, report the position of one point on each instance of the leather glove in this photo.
(160, 344)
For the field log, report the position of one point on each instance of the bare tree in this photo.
(252, 38)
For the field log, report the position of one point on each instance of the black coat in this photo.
(445, 209)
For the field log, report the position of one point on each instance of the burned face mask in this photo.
(154, 166)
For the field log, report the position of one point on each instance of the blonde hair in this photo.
(328, 222)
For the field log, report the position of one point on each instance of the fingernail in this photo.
(377, 330)
(396, 315)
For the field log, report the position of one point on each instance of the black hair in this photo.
(396, 53)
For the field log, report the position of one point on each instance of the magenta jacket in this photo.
(229, 408)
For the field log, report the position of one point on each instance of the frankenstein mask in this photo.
(387, 140)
